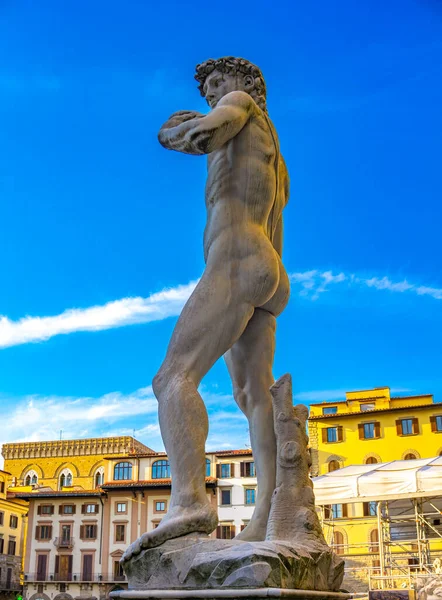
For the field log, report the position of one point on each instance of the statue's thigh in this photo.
(250, 359)
(210, 323)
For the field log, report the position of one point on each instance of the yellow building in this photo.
(370, 427)
(12, 534)
(379, 535)
(70, 464)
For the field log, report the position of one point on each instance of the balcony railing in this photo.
(72, 577)
(64, 542)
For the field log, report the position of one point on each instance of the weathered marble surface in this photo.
(192, 563)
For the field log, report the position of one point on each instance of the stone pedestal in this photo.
(204, 563)
(231, 594)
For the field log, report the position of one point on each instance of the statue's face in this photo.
(219, 84)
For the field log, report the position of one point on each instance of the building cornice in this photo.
(357, 413)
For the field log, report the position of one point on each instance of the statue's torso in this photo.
(243, 189)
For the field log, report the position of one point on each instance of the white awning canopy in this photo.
(382, 481)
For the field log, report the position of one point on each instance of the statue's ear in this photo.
(249, 83)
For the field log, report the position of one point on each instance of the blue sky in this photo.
(101, 228)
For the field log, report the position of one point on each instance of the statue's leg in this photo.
(212, 320)
(250, 363)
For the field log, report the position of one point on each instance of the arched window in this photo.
(31, 478)
(374, 541)
(410, 456)
(123, 470)
(161, 469)
(371, 460)
(65, 478)
(338, 542)
(99, 477)
(208, 465)
(333, 465)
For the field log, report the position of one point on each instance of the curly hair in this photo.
(232, 65)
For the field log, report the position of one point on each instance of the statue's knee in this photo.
(242, 399)
(159, 382)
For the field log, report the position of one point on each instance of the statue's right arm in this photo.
(203, 135)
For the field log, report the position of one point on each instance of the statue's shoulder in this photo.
(239, 99)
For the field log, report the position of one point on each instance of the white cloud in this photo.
(42, 417)
(169, 302)
(39, 418)
(385, 284)
(126, 311)
(314, 282)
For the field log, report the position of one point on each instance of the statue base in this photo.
(233, 594)
(203, 563)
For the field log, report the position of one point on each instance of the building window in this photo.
(374, 541)
(13, 522)
(2, 543)
(161, 469)
(332, 434)
(248, 469)
(31, 478)
(43, 532)
(226, 497)
(120, 533)
(11, 546)
(410, 456)
(67, 509)
(2, 487)
(338, 542)
(88, 532)
(87, 570)
(121, 507)
(118, 571)
(89, 509)
(45, 509)
(407, 426)
(99, 477)
(436, 423)
(367, 406)
(160, 506)
(123, 470)
(65, 478)
(371, 460)
(369, 431)
(333, 465)
(2, 517)
(224, 470)
(370, 509)
(225, 532)
(208, 465)
(336, 511)
(250, 496)
(329, 410)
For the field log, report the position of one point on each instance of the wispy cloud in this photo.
(36, 417)
(118, 313)
(313, 283)
(169, 302)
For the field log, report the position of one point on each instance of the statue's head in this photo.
(218, 77)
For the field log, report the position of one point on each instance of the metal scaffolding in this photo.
(410, 538)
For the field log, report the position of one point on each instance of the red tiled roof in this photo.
(147, 483)
(57, 494)
(376, 410)
(243, 452)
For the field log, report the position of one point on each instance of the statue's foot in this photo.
(254, 531)
(179, 521)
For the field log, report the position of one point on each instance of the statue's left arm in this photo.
(203, 135)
